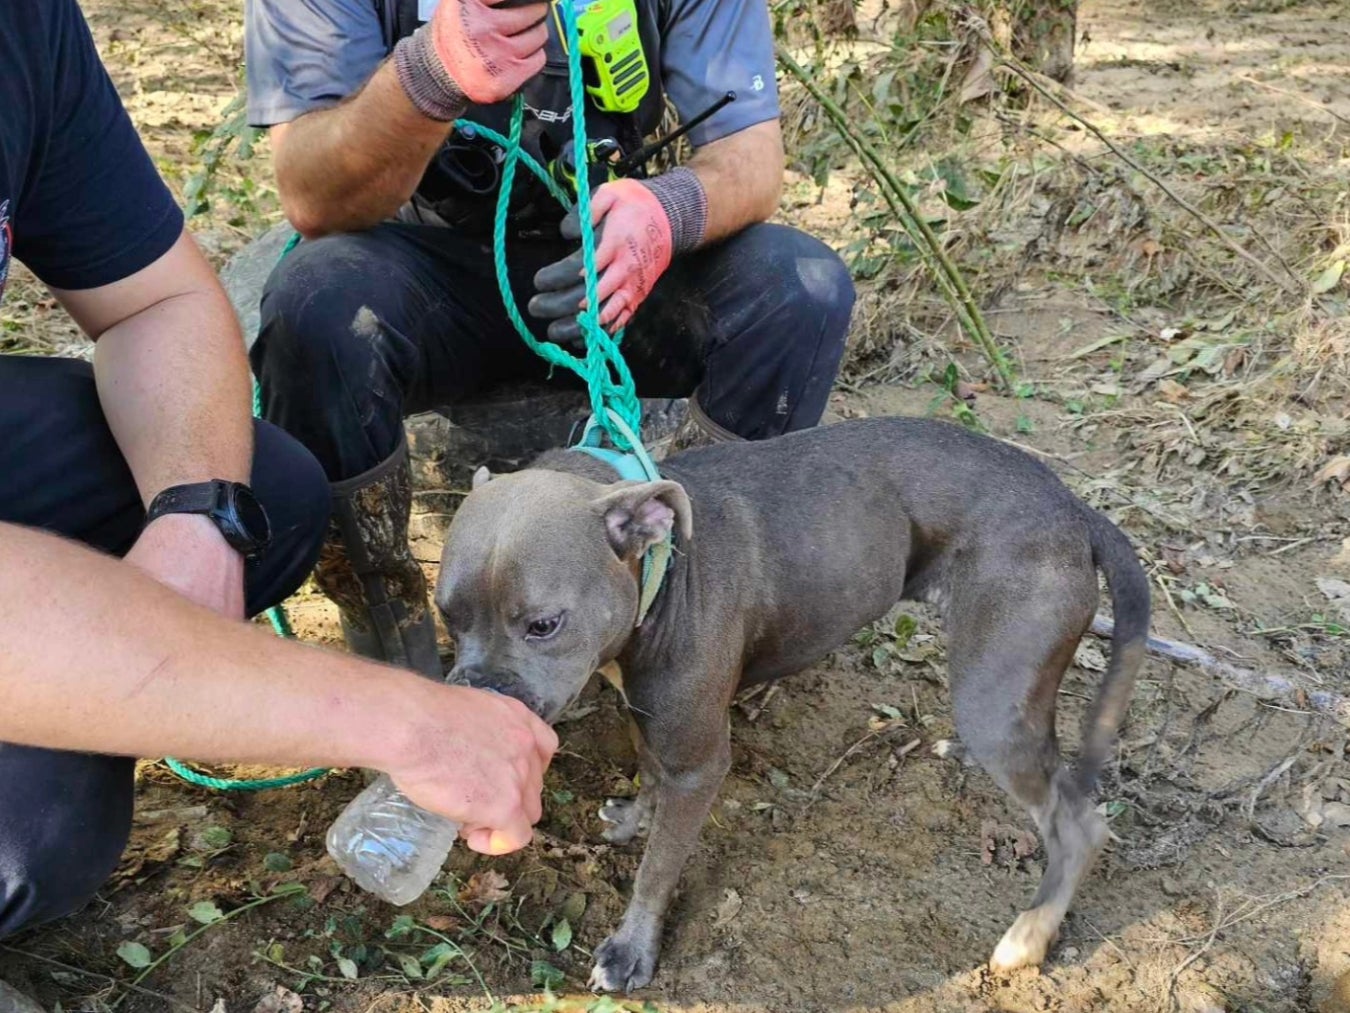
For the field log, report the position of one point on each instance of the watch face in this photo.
(251, 516)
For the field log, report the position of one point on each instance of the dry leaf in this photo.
(1173, 392)
(1150, 247)
(1234, 361)
(320, 888)
(979, 79)
(484, 888)
(441, 923)
(1089, 658)
(1338, 593)
(1023, 842)
(1341, 561)
(1335, 470)
(166, 847)
(1174, 558)
(280, 1000)
(728, 909)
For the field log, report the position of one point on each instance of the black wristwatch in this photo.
(231, 506)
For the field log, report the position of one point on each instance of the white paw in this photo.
(1026, 942)
(627, 817)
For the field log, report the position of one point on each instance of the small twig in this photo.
(1273, 775)
(1294, 545)
(753, 716)
(874, 733)
(1016, 67)
(1293, 94)
(1266, 687)
(1125, 957)
(1175, 976)
(182, 814)
(1244, 912)
(309, 976)
(97, 976)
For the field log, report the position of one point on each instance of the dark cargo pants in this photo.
(360, 330)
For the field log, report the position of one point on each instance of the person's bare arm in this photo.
(95, 656)
(351, 166)
(173, 381)
(742, 174)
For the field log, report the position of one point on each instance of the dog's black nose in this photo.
(505, 683)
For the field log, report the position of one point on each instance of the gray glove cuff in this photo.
(685, 203)
(429, 87)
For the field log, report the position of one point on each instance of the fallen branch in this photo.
(1013, 65)
(1266, 687)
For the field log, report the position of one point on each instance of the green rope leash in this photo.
(606, 373)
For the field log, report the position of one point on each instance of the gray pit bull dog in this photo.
(801, 540)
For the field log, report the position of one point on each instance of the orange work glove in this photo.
(479, 51)
(640, 226)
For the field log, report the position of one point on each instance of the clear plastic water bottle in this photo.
(389, 846)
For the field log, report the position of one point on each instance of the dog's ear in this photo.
(637, 515)
(481, 477)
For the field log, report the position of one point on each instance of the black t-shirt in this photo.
(80, 201)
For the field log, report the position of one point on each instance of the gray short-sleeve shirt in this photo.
(303, 55)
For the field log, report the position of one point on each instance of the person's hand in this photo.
(478, 759)
(633, 247)
(188, 553)
(489, 50)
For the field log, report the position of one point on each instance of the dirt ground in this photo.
(848, 866)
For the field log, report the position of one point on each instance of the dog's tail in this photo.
(1114, 554)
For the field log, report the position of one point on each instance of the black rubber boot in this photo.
(368, 571)
(697, 430)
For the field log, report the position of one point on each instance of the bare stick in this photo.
(1266, 687)
(889, 726)
(1293, 94)
(1009, 63)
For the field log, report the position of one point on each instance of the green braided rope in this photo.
(282, 625)
(606, 373)
(237, 784)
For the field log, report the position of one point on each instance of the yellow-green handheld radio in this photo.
(616, 72)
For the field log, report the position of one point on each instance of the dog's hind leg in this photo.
(1007, 659)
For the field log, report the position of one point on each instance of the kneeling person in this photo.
(391, 305)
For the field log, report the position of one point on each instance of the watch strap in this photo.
(196, 498)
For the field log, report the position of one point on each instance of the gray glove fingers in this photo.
(566, 331)
(554, 304)
(561, 274)
(571, 225)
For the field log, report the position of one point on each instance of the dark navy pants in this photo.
(360, 330)
(64, 817)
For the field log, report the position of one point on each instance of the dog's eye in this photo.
(542, 629)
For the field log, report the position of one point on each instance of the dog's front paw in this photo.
(628, 816)
(623, 964)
